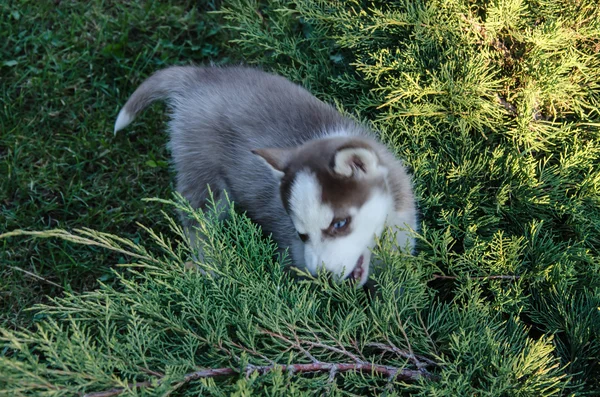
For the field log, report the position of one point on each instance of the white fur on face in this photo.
(338, 255)
(309, 213)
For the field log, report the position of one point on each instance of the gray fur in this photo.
(220, 114)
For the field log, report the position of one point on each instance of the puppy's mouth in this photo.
(359, 269)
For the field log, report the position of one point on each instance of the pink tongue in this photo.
(358, 269)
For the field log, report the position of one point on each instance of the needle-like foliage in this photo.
(165, 322)
(495, 106)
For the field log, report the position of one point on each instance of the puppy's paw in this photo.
(190, 265)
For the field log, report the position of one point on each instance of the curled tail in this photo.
(164, 84)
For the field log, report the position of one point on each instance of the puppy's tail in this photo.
(164, 84)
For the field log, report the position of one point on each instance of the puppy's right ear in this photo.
(277, 159)
(356, 162)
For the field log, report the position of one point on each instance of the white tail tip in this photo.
(123, 120)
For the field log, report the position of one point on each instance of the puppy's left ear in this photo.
(277, 159)
(357, 162)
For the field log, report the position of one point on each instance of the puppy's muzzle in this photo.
(358, 270)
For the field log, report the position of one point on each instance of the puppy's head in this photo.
(335, 192)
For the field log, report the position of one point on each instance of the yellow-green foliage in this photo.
(494, 105)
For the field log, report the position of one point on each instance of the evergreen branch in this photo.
(425, 330)
(229, 352)
(253, 352)
(94, 238)
(306, 352)
(419, 361)
(150, 372)
(336, 350)
(324, 346)
(354, 344)
(494, 41)
(410, 350)
(340, 350)
(297, 344)
(411, 354)
(37, 277)
(392, 373)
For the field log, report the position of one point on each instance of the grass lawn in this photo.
(65, 70)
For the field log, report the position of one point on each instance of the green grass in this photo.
(65, 70)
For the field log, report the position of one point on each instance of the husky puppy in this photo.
(320, 183)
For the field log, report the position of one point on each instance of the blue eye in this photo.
(337, 226)
(341, 223)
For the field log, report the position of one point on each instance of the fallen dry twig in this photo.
(392, 373)
(442, 277)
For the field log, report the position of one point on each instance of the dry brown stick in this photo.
(421, 362)
(442, 277)
(392, 373)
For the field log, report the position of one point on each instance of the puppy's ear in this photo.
(356, 162)
(277, 159)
